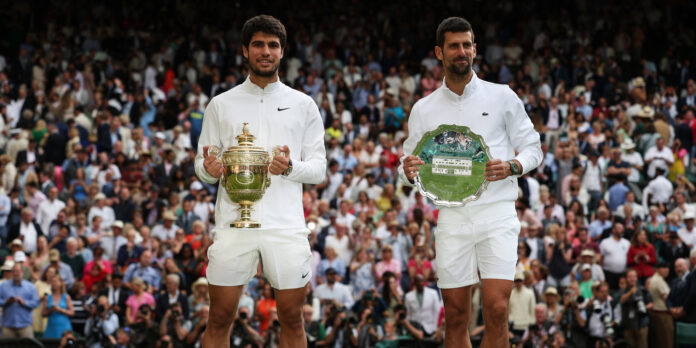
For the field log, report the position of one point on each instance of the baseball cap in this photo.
(196, 185)
(19, 256)
(519, 276)
(53, 255)
(586, 267)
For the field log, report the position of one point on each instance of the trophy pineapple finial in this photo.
(246, 138)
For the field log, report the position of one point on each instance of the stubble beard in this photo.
(262, 73)
(460, 72)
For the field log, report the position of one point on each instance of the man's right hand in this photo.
(411, 165)
(211, 163)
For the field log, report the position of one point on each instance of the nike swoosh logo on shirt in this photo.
(305, 275)
(283, 109)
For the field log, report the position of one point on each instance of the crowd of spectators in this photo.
(104, 224)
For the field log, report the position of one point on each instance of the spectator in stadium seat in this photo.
(18, 298)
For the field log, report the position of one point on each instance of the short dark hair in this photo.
(452, 25)
(266, 24)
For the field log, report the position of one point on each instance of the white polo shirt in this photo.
(277, 115)
(490, 110)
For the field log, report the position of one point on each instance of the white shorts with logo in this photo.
(482, 240)
(234, 256)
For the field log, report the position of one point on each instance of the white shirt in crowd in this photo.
(659, 159)
(48, 211)
(30, 235)
(164, 233)
(688, 236)
(341, 246)
(592, 177)
(106, 213)
(614, 254)
(522, 302)
(660, 190)
(425, 311)
(634, 159)
(338, 292)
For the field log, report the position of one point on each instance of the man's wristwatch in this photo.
(514, 168)
(289, 170)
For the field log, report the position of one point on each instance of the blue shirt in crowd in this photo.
(148, 274)
(17, 315)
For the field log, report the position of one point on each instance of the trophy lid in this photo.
(246, 138)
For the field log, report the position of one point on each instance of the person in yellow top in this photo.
(384, 201)
(43, 288)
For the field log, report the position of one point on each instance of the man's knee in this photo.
(220, 319)
(290, 318)
(496, 312)
(457, 315)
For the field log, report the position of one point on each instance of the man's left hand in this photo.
(280, 162)
(497, 169)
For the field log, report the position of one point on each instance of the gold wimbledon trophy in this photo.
(245, 176)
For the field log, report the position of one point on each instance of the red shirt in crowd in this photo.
(645, 267)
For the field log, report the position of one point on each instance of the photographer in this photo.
(314, 329)
(271, 337)
(145, 330)
(407, 331)
(600, 312)
(371, 299)
(175, 325)
(199, 325)
(102, 322)
(68, 340)
(243, 334)
(369, 331)
(539, 333)
(572, 318)
(635, 303)
(339, 331)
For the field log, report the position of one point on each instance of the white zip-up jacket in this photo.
(491, 110)
(277, 115)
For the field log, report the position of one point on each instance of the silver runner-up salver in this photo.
(455, 162)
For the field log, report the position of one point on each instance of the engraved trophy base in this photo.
(244, 220)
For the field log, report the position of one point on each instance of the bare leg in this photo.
(289, 303)
(457, 314)
(495, 297)
(223, 307)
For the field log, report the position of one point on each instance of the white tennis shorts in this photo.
(482, 239)
(234, 256)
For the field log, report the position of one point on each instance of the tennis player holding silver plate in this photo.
(468, 142)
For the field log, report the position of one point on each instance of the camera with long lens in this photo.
(640, 304)
(70, 342)
(176, 315)
(101, 309)
(608, 328)
(242, 316)
(596, 306)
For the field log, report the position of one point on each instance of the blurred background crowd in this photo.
(104, 223)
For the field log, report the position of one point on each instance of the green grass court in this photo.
(450, 187)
